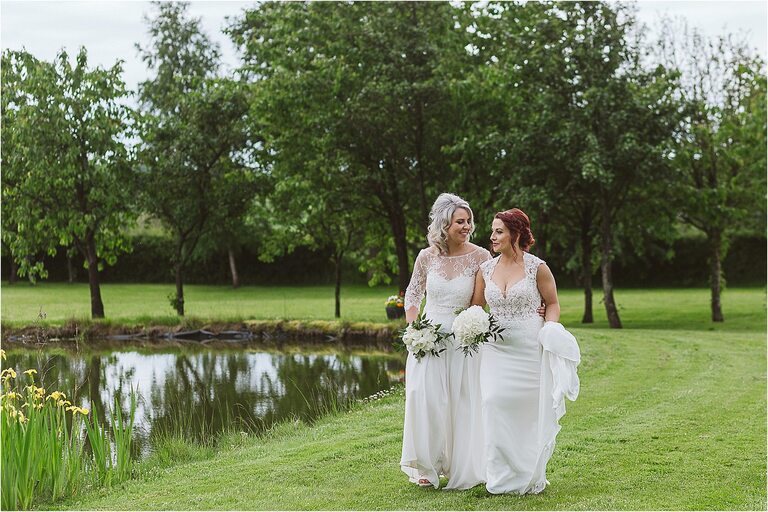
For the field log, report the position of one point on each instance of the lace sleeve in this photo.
(479, 257)
(418, 285)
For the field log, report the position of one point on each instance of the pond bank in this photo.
(259, 332)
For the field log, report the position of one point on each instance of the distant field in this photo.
(147, 303)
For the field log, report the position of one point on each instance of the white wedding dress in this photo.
(523, 379)
(442, 432)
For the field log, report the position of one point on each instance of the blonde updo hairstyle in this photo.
(440, 220)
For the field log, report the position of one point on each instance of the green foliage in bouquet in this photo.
(474, 326)
(493, 333)
(421, 337)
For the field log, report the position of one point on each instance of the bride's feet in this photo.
(423, 482)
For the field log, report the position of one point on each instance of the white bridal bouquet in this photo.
(421, 337)
(474, 326)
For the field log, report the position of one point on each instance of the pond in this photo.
(199, 393)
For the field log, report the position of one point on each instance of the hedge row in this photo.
(150, 263)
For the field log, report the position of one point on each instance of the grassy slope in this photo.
(146, 303)
(666, 419)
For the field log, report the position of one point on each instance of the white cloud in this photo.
(110, 29)
(713, 18)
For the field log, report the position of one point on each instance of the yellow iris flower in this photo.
(77, 410)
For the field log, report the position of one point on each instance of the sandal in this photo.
(423, 482)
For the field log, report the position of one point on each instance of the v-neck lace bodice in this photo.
(522, 298)
(448, 281)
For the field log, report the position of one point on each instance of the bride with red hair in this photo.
(525, 375)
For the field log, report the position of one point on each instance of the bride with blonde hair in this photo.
(442, 428)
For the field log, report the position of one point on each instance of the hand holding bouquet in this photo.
(474, 326)
(421, 337)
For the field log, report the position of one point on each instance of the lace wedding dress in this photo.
(442, 397)
(523, 381)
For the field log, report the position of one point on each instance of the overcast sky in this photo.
(110, 29)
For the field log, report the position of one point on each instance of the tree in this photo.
(195, 155)
(322, 213)
(629, 114)
(721, 149)
(572, 128)
(366, 82)
(246, 223)
(743, 132)
(66, 168)
(520, 135)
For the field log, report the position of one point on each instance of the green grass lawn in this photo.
(672, 412)
(147, 303)
(666, 419)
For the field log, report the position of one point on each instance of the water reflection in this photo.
(204, 392)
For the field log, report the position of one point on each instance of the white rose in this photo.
(429, 337)
(470, 323)
(410, 337)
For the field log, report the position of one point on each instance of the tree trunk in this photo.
(94, 388)
(93, 380)
(337, 262)
(401, 249)
(71, 270)
(372, 253)
(586, 276)
(179, 290)
(542, 238)
(394, 209)
(97, 306)
(419, 136)
(233, 268)
(715, 273)
(418, 59)
(14, 277)
(607, 273)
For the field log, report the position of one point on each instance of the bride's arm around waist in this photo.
(545, 282)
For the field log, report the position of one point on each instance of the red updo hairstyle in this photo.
(519, 225)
